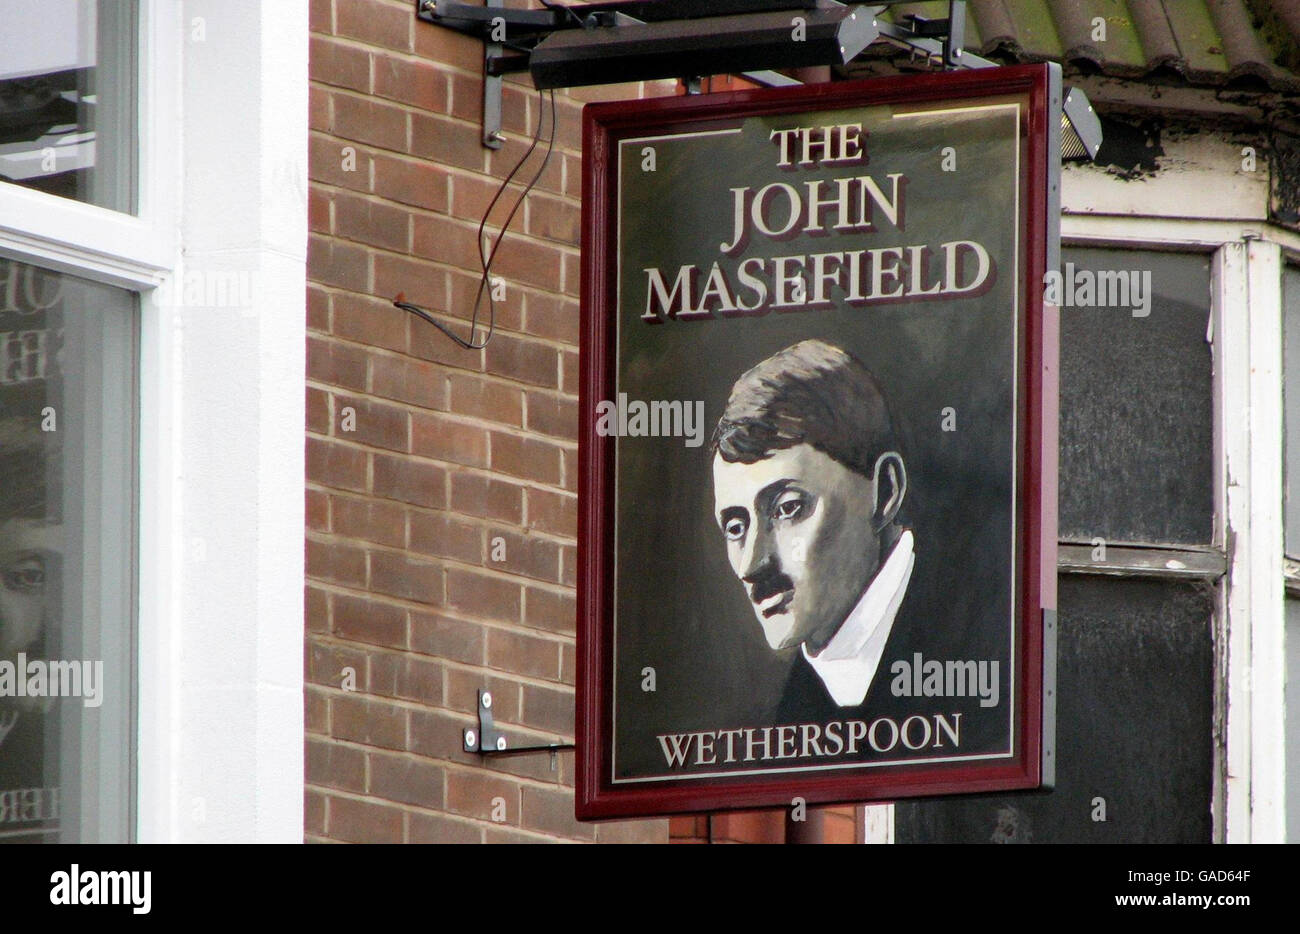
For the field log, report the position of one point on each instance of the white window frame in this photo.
(219, 737)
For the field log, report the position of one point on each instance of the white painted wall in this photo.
(221, 607)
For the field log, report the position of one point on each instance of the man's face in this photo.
(28, 588)
(799, 535)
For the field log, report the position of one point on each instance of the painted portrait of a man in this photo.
(808, 483)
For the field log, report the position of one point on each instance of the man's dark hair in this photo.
(809, 393)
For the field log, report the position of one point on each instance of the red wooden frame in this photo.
(603, 125)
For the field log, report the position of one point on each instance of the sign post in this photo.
(817, 517)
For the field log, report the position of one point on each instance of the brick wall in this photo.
(441, 482)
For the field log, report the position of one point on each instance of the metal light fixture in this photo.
(633, 51)
(1080, 128)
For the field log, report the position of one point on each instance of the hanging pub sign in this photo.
(817, 517)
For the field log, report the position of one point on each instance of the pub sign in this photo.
(817, 485)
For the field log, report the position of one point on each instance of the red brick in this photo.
(462, 689)
(572, 173)
(321, 16)
(318, 511)
(529, 555)
(316, 710)
(318, 210)
(363, 822)
(483, 596)
(477, 495)
(480, 398)
(437, 734)
(343, 265)
(415, 83)
(327, 661)
(335, 766)
(524, 360)
(365, 421)
(318, 108)
(384, 523)
(316, 608)
(411, 182)
(406, 781)
(473, 794)
(400, 576)
(526, 457)
(318, 411)
(419, 282)
(369, 722)
(336, 465)
(569, 566)
(444, 537)
(336, 364)
(497, 835)
(332, 561)
(553, 415)
(411, 381)
(371, 321)
(531, 263)
(550, 810)
(337, 163)
(449, 48)
(429, 343)
(568, 663)
(554, 219)
(507, 157)
(444, 637)
(554, 612)
(445, 240)
(472, 194)
(503, 314)
(318, 308)
(372, 222)
(410, 481)
(314, 813)
(448, 440)
(407, 678)
(363, 619)
(438, 828)
(569, 459)
(375, 23)
(568, 125)
(556, 513)
(551, 317)
(446, 141)
(522, 654)
(572, 276)
(466, 97)
(368, 121)
(338, 64)
(547, 709)
(572, 375)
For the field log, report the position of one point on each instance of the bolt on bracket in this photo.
(487, 740)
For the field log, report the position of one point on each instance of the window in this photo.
(1135, 675)
(67, 508)
(67, 99)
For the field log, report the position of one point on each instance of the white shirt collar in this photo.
(847, 665)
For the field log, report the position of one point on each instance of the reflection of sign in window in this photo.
(23, 356)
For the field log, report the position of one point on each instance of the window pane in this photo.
(1135, 729)
(67, 99)
(1137, 427)
(67, 507)
(1291, 367)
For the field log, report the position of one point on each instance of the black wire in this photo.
(485, 262)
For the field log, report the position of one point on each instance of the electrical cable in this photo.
(485, 261)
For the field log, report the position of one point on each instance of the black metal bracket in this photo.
(509, 36)
(487, 740)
